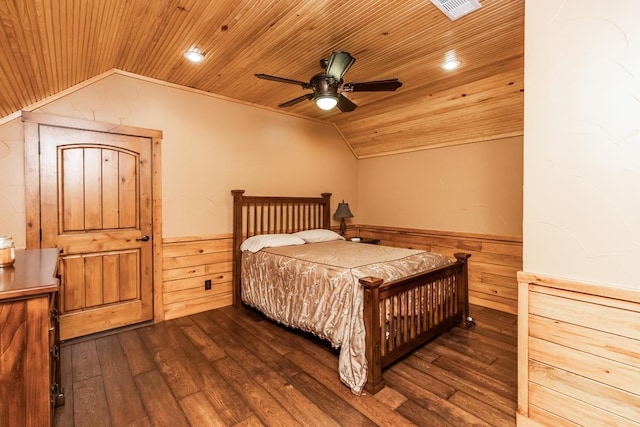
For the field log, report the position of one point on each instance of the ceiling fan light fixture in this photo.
(326, 102)
(194, 55)
(328, 87)
(326, 93)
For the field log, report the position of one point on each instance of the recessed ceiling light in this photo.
(451, 64)
(194, 55)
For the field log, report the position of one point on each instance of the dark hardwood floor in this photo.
(232, 367)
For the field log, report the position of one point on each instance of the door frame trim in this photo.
(31, 122)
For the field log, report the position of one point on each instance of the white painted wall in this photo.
(581, 217)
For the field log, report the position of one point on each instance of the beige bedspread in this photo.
(314, 287)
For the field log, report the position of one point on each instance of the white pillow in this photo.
(255, 243)
(318, 235)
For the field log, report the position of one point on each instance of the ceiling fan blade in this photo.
(339, 63)
(375, 86)
(282, 80)
(296, 100)
(345, 105)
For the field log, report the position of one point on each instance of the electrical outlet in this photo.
(207, 285)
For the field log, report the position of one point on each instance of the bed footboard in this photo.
(401, 315)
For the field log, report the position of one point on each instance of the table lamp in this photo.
(341, 213)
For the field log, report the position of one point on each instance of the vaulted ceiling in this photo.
(47, 46)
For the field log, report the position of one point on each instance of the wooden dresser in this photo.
(29, 348)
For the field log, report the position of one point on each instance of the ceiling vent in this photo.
(455, 9)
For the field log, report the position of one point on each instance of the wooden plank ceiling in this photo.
(48, 46)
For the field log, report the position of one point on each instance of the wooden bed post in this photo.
(371, 312)
(463, 290)
(326, 215)
(237, 241)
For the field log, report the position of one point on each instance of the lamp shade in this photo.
(343, 211)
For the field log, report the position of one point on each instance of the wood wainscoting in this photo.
(493, 266)
(188, 262)
(578, 353)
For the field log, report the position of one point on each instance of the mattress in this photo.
(314, 287)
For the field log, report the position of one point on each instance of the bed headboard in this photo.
(254, 215)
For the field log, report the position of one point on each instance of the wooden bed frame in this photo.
(399, 316)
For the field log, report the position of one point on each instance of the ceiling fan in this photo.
(325, 85)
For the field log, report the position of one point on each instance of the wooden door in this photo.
(96, 206)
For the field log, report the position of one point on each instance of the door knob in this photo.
(143, 239)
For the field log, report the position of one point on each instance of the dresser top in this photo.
(33, 273)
